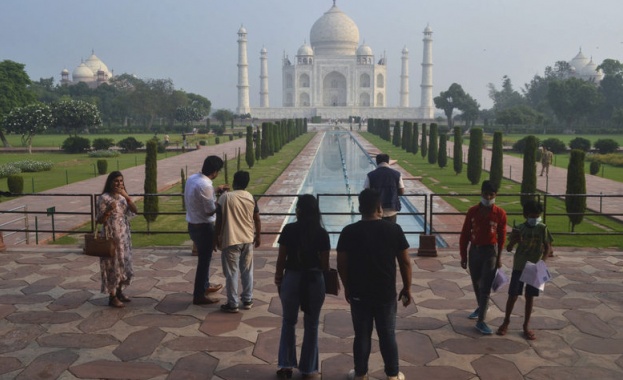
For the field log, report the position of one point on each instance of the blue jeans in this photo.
(203, 237)
(293, 285)
(482, 267)
(238, 259)
(365, 314)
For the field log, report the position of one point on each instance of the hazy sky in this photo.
(193, 42)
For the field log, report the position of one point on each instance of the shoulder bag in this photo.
(99, 246)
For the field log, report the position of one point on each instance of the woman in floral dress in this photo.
(113, 210)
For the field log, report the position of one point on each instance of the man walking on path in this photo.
(200, 214)
(388, 182)
(546, 160)
(484, 231)
(238, 229)
(367, 252)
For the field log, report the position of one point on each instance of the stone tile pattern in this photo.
(50, 330)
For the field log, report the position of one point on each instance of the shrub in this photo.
(576, 184)
(433, 147)
(103, 143)
(202, 142)
(31, 166)
(130, 144)
(217, 140)
(103, 154)
(9, 169)
(442, 157)
(520, 145)
(496, 171)
(231, 137)
(554, 145)
(150, 202)
(474, 156)
(457, 150)
(528, 179)
(594, 167)
(605, 146)
(580, 143)
(76, 144)
(102, 166)
(15, 183)
(240, 134)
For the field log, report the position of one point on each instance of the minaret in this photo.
(243, 74)
(264, 79)
(404, 79)
(426, 105)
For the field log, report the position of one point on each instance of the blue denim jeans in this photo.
(482, 267)
(365, 314)
(203, 237)
(294, 283)
(237, 260)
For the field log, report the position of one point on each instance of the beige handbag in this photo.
(99, 246)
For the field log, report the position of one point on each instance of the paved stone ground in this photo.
(55, 324)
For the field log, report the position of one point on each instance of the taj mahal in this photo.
(334, 76)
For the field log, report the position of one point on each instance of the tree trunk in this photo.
(4, 140)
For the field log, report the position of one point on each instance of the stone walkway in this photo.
(55, 324)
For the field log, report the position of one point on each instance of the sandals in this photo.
(529, 335)
(284, 373)
(502, 330)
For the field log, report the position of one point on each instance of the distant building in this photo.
(93, 72)
(585, 69)
(335, 76)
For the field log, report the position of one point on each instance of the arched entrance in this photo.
(334, 90)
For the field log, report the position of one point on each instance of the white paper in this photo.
(500, 280)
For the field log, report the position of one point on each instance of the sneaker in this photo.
(483, 328)
(400, 376)
(247, 305)
(474, 315)
(229, 309)
(353, 376)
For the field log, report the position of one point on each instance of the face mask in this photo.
(533, 221)
(487, 202)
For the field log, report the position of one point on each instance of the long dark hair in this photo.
(110, 179)
(308, 215)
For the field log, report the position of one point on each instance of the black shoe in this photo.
(204, 301)
(284, 373)
(247, 305)
(115, 302)
(229, 309)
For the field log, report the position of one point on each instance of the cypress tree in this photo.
(474, 156)
(258, 144)
(249, 155)
(457, 160)
(397, 137)
(265, 140)
(433, 148)
(183, 175)
(238, 161)
(496, 172)
(442, 159)
(416, 138)
(407, 129)
(528, 179)
(576, 184)
(225, 171)
(424, 143)
(150, 202)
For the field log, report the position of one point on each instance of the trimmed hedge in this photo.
(15, 183)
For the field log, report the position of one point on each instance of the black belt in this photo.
(483, 246)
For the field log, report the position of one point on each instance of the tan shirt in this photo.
(237, 208)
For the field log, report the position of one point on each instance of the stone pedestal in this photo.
(428, 246)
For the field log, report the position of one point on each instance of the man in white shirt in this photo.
(238, 229)
(200, 203)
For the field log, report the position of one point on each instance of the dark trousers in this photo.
(203, 237)
(482, 267)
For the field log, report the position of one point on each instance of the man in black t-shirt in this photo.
(367, 252)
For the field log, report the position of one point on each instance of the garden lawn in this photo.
(56, 141)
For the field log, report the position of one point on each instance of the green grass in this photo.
(566, 138)
(445, 181)
(263, 174)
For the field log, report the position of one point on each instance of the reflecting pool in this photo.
(337, 176)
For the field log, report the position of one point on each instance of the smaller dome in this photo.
(405, 50)
(428, 29)
(364, 50)
(305, 49)
(242, 30)
(82, 73)
(263, 51)
(65, 71)
(579, 61)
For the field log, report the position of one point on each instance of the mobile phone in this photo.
(405, 299)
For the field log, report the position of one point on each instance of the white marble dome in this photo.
(364, 50)
(83, 73)
(579, 61)
(305, 49)
(96, 64)
(334, 33)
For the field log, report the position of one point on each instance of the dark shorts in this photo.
(516, 287)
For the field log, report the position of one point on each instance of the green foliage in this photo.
(183, 183)
(103, 154)
(457, 151)
(150, 203)
(225, 169)
(76, 144)
(407, 137)
(442, 159)
(75, 115)
(613, 159)
(433, 148)
(26, 166)
(594, 167)
(258, 144)
(102, 167)
(28, 121)
(605, 146)
(249, 156)
(238, 160)
(576, 184)
(15, 184)
(101, 143)
(554, 145)
(397, 137)
(416, 138)
(474, 156)
(424, 143)
(9, 169)
(528, 179)
(217, 140)
(580, 143)
(202, 142)
(129, 144)
(520, 145)
(496, 172)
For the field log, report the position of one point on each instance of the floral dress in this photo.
(117, 272)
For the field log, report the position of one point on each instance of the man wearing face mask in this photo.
(483, 235)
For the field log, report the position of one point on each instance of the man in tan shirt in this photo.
(237, 231)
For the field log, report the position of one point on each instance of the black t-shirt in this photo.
(372, 248)
(303, 246)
